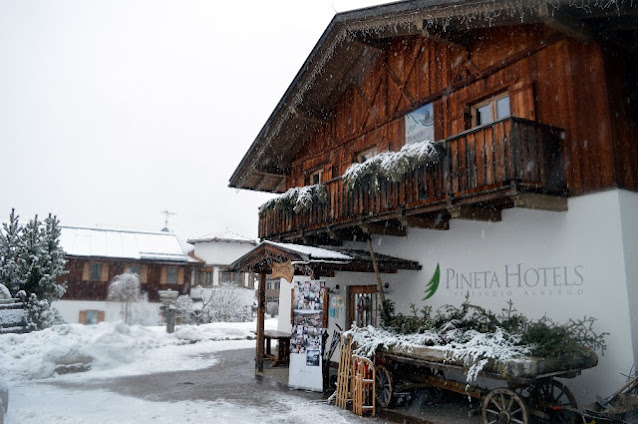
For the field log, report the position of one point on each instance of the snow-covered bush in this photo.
(390, 165)
(184, 308)
(296, 199)
(272, 308)
(225, 303)
(31, 260)
(125, 288)
(4, 292)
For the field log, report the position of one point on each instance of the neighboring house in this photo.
(219, 251)
(272, 290)
(95, 256)
(532, 193)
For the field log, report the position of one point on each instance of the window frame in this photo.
(492, 102)
(366, 154)
(317, 173)
(95, 266)
(169, 269)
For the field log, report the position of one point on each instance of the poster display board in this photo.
(307, 328)
(419, 124)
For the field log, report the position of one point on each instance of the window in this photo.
(135, 269)
(95, 272)
(366, 154)
(272, 284)
(171, 275)
(224, 277)
(490, 110)
(91, 316)
(205, 278)
(316, 177)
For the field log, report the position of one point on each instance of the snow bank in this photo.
(47, 404)
(110, 349)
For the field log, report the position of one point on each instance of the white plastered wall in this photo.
(70, 310)
(560, 264)
(629, 223)
(566, 265)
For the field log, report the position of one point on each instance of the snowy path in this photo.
(132, 379)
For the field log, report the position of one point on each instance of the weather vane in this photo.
(166, 213)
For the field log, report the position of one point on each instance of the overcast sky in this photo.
(113, 111)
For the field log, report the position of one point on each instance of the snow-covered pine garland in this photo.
(391, 165)
(475, 337)
(471, 348)
(296, 199)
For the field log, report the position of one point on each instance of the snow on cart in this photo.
(451, 349)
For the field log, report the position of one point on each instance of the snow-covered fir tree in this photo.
(31, 260)
(9, 247)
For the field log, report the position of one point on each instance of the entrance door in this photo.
(362, 305)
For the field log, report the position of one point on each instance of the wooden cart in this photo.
(530, 388)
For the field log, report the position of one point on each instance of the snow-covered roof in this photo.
(225, 236)
(335, 258)
(106, 243)
(311, 253)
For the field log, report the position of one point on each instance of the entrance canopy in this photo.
(324, 260)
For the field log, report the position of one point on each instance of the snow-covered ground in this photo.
(28, 363)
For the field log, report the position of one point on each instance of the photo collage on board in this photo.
(308, 320)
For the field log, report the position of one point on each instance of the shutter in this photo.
(83, 316)
(100, 316)
(143, 274)
(105, 272)
(85, 271)
(163, 275)
(180, 275)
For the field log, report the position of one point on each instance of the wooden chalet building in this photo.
(95, 256)
(532, 107)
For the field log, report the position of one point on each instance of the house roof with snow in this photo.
(322, 258)
(122, 244)
(226, 237)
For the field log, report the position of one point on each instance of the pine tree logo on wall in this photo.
(433, 284)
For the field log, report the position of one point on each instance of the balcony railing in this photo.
(475, 167)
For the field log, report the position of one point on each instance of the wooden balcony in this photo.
(509, 163)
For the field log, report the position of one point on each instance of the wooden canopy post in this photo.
(376, 270)
(261, 309)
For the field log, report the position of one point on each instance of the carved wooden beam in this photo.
(565, 23)
(438, 222)
(475, 213)
(447, 36)
(383, 229)
(540, 201)
(310, 116)
(365, 42)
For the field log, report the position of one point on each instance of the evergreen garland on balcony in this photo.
(391, 165)
(296, 199)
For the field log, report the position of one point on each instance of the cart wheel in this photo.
(436, 393)
(383, 386)
(502, 406)
(554, 393)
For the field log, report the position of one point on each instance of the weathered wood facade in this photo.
(573, 127)
(81, 286)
